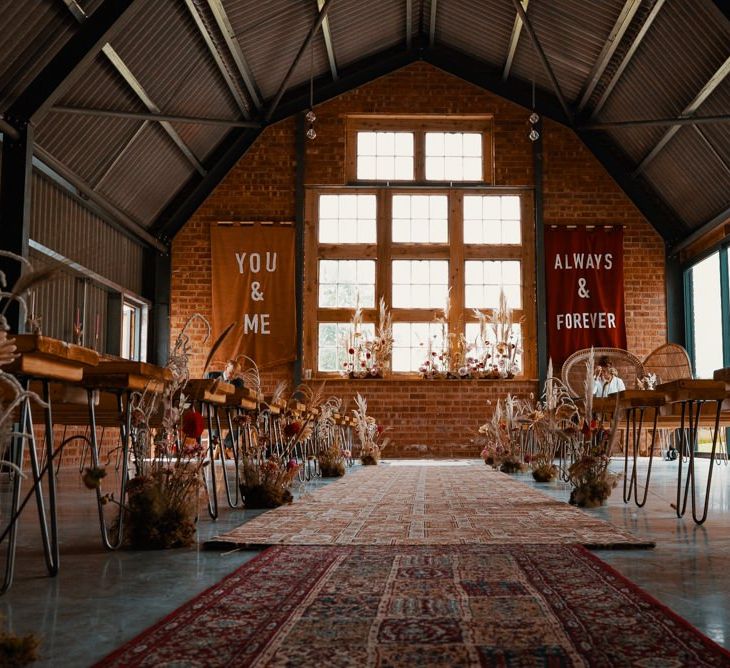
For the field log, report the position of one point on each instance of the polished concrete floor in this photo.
(100, 599)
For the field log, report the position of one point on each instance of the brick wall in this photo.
(577, 190)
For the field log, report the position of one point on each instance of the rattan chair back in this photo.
(573, 374)
(669, 361)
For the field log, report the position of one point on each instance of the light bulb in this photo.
(534, 135)
(310, 116)
(311, 133)
(534, 118)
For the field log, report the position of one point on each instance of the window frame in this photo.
(419, 125)
(384, 251)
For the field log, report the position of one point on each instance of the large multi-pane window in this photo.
(420, 227)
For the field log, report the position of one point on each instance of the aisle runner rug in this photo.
(427, 505)
(476, 605)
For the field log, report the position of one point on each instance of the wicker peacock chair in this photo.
(573, 374)
(669, 362)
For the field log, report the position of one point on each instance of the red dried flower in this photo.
(193, 424)
(380, 429)
(351, 351)
(292, 429)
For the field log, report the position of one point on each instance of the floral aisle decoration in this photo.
(18, 650)
(501, 436)
(552, 427)
(368, 358)
(369, 432)
(268, 471)
(161, 504)
(327, 433)
(494, 354)
(589, 476)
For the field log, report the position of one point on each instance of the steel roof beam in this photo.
(543, 59)
(711, 148)
(9, 130)
(76, 9)
(432, 24)
(224, 24)
(627, 57)
(141, 116)
(609, 48)
(690, 109)
(241, 101)
(327, 35)
(307, 41)
(710, 226)
(649, 122)
(141, 93)
(513, 40)
(59, 75)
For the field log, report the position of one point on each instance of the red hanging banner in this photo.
(585, 289)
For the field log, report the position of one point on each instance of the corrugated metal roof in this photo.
(146, 175)
(572, 34)
(360, 29)
(32, 34)
(677, 171)
(482, 29)
(271, 34)
(682, 50)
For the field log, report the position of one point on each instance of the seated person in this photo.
(230, 374)
(606, 380)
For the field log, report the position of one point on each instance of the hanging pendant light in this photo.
(310, 116)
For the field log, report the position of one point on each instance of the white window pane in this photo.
(347, 270)
(385, 143)
(329, 206)
(453, 144)
(492, 273)
(347, 231)
(435, 169)
(473, 296)
(385, 167)
(492, 208)
(472, 169)
(403, 169)
(401, 230)
(327, 295)
(472, 231)
(453, 169)
(511, 207)
(404, 144)
(473, 273)
(348, 206)
(366, 206)
(401, 334)
(492, 232)
(473, 207)
(511, 272)
(419, 206)
(439, 270)
(438, 231)
(511, 232)
(419, 271)
(419, 231)
(365, 143)
(420, 297)
(513, 294)
(401, 271)
(438, 296)
(346, 295)
(401, 206)
(328, 271)
(328, 231)
(707, 316)
(420, 333)
(401, 359)
(491, 296)
(367, 296)
(327, 359)
(438, 206)
(327, 334)
(401, 296)
(366, 232)
(366, 168)
(472, 144)
(366, 271)
(434, 143)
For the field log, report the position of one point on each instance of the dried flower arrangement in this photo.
(495, 352)
(16, 651)
(501, 436)
(327, 434)
(365, 358)
(369, 432)
(588, 474)
(552, 427)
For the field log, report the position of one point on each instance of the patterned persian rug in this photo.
(469, 605)
(427, 505)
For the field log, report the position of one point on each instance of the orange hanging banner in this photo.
(253, 286)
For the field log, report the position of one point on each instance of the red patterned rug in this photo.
(428, 505)
(472, 605)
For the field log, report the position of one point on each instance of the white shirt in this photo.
(601, 388)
